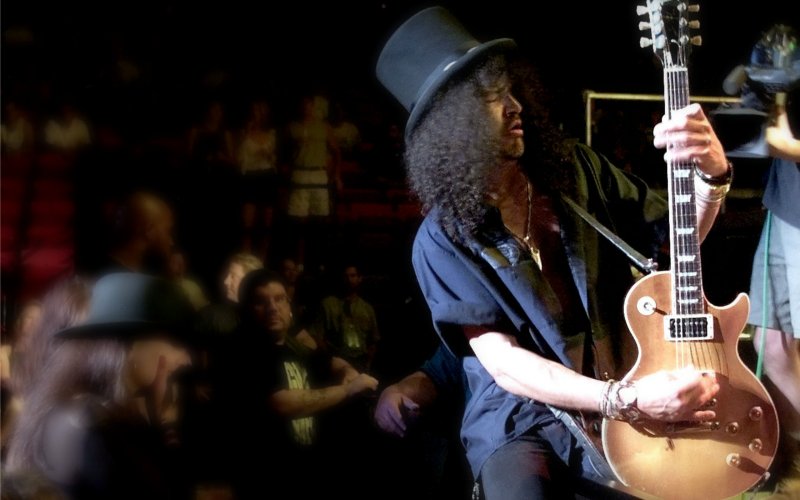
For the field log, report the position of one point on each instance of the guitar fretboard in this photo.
(687, 282)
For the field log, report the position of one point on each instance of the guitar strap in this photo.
(646, 265)
(596, 457)
(642, 263)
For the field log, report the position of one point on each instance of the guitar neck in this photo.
(685, 265)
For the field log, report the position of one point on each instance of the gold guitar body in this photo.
(691, 460)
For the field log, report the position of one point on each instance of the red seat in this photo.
(40, 266)
(8, 260)
(54, 162)
(49, 234)
(16, 165)
(398, 194)
(409, 211)
(10, 211)
(52, 211)
(9, 235)
(12, 187)
(365, 211)
(53, 187)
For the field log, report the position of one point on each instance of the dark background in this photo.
(182, 48)
(185, 53)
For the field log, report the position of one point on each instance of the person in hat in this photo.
(769, 83)
(518, 289)
(100, 421)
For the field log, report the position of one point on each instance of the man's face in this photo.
(289, 270)
(272, 309)
(352, 279)
(233, 278)
(504, 114)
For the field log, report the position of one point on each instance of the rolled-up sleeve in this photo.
(455, 295)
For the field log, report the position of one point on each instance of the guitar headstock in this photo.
(670, 29)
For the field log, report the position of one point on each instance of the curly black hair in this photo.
(452, 149)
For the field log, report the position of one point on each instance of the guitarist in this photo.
(527, 297)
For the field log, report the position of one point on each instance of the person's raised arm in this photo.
(780, 139)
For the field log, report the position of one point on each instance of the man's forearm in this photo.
(527, 374)
(304, 402)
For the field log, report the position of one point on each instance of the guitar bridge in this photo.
(688, 327)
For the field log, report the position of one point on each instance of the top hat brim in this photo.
(437, 82)
(125, 330)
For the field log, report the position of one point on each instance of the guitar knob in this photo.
(755, 445)
(756, 413)
(646, 305)
(733, 459)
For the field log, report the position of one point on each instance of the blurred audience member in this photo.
(99, 421)
(314, 168)
(14, 349)
(347, 324)
(16, 132)
(346, 134)
(210, 141)
(62, 305)
(178, 272)
(238, 267)
(68, 131)
(142, 236)
(258, 166)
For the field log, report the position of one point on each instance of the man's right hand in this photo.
(677, 395)
(394, 410)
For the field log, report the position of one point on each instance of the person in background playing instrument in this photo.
(518, 288)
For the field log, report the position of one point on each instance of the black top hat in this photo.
(129, 305)
(424, 53)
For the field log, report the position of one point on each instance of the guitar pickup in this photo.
(691, 427)
(688, 327)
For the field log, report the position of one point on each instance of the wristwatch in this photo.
(716, 180)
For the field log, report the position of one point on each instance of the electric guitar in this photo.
(675, 326)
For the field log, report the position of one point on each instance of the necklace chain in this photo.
(526, 239)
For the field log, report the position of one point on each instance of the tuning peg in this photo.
(661, 42)
(645, 42)
(695, 25)
(641, 10)
(697, 40)
(643, 26)
(694, 7)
